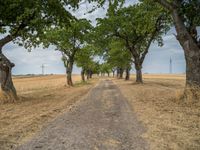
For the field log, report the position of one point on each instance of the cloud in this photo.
(157, 60)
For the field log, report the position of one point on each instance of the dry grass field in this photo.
(171, 123)
(41, 100)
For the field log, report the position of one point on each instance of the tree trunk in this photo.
(118, 72)
(121, 71)
(192, 57)
(138, 68)
(83, 75)
(127, 74)
(191, 51)
(108, 74)
(113, 72)
(69, 68)
(88, 75)
(8, 91)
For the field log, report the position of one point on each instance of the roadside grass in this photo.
(171, 123)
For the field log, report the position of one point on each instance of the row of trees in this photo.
(141, 24)
(123, 37)
(132, 29)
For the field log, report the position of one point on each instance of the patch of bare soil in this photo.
(172, 123)
(39, 103)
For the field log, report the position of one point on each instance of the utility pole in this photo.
(170, 66)
(42, 69)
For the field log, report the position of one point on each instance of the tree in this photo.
(186, 18)
(23, 22)
(84, 59)
(69, 40)
(119, 58)
(105, 68)
(137, 26)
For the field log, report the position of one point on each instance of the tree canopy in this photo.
(136, 27)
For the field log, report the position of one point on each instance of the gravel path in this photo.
(101, 121)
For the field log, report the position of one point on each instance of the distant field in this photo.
(164, 76)
(29, 84)
(171, 123)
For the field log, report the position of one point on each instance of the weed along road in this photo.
(102, 120)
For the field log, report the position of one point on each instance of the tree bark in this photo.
(113, 73)
(118, 72)
(191, 51)
(83, 75)
(8, 91)
(127, 73)
(108, 73)
(121, 72)
(138, 68)
(69, 68)
(88, 74)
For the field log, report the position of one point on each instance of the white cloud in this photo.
(156, 61)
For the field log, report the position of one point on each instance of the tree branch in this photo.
(5, 40)
(166, 4)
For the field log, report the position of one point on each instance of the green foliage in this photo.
(134, 23)
(136, 27)
(27, 19)
(118, 56)
(85, 58)
(105, 68)
(70, 39)
(188, 11)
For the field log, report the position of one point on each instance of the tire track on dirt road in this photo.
(101, 121)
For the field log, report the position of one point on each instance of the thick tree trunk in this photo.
(191, 51)
(113, 72)
(108, 74)
(127, 74)
(88, 75)
(118, 72)
(69, 68)
(121, 72)
(8, 91)
(83, 75)
(138, 68)
(192, 57)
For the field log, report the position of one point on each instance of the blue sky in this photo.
(157, 60)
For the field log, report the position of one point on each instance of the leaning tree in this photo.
(69, 40)
(186, 18)
(23, 22)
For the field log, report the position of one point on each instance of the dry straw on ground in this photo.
(171, 123)
(41, 100)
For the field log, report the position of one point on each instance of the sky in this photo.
(156, 61)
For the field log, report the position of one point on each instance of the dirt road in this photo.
(103, 120)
